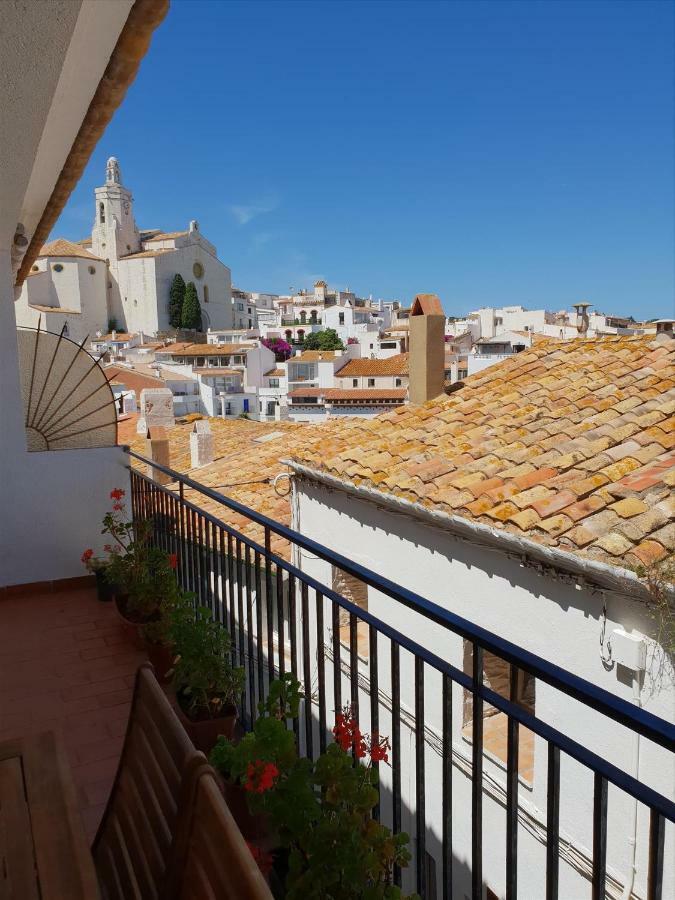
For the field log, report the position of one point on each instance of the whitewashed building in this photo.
(121, 276)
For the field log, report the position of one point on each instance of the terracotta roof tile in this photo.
(392, 365)
(62, 247)
(566, 443)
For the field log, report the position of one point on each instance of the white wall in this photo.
(550, 618)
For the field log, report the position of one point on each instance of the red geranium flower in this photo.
(173, 560)
(87, 555)
(117, 494)
(260, 776)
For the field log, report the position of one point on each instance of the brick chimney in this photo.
(157, 449)
(426, 362)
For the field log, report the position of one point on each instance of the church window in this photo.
(101, 212)
(92, 270)
(65, 329)
(206, 293)
(198, 270)
(58, 267)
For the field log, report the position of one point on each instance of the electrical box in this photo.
(629, 650)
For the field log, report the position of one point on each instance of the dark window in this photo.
(355, 382)
(371, 382)
(101, 212)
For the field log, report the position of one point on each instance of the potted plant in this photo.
(98, 568)
(206, 683)
(143, 575)
(262, 755)
(320, 814)
(156, 634)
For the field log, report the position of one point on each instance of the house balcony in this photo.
(462, 739)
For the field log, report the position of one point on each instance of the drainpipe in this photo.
(632, 840)
(630, 650)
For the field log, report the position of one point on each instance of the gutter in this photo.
(592, 572)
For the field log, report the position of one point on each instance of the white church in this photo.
(121, 276)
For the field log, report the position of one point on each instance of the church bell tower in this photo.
(115, 233)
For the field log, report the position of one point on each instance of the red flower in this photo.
(173, 560)
(118, 506)
(87, 555)
(117, 494)
(378, 748)
(347, 733)
(260, 776)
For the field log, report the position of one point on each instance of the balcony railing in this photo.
(281, 618)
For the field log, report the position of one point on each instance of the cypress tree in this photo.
(191, 316)
(176, 298)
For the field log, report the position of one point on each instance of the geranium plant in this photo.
(320, 812)
(144, 574)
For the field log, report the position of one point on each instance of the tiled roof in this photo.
(569, 444)
(393, 365)
(241, 469)
(207, 349)
(313, 356)
(119, 336)
(363, 394)
(62, 247)
(165, 236)
(134, 381)
(275, 373)
(146, 254)
(217, 371)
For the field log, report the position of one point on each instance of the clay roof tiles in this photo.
(62, 247)
(393, 365)
(569, 444)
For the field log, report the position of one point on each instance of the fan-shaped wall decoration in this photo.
(67, 399)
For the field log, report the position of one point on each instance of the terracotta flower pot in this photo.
(132, 628)
(204, 733)
(161, 658)
(254, 826)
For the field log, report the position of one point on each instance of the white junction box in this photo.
(629, 650)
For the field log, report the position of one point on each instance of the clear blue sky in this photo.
(491, 152)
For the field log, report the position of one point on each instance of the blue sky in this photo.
(491, 152)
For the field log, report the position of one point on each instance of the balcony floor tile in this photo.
(66, 666)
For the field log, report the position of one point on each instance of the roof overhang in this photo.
(592, 573)
(89, 53)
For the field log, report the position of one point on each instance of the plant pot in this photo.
(205, 732)
(254, 826)
(104, 589)
(161, 657)
(131, 628)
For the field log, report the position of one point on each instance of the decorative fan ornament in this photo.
(67, 399)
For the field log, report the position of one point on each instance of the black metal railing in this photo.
(282, 618)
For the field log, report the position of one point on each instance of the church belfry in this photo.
(115, 233)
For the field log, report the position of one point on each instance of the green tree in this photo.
(323, 340)
(176, 298)
(191, 316)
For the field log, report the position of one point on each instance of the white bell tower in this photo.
(115, 233)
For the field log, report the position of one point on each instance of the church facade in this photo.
(122, 275)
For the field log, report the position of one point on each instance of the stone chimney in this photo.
(426, 363)
(157, 449)
(582, 317)
(201, 445)
(664, 329)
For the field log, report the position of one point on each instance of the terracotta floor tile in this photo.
(65, 666)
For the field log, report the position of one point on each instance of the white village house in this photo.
(521, 503)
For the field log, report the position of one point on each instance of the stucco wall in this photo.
(553, 619)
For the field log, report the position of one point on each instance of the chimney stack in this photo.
(426, 363)
(157, 449)
(665, 329)
(201, 445)
(582, 317)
